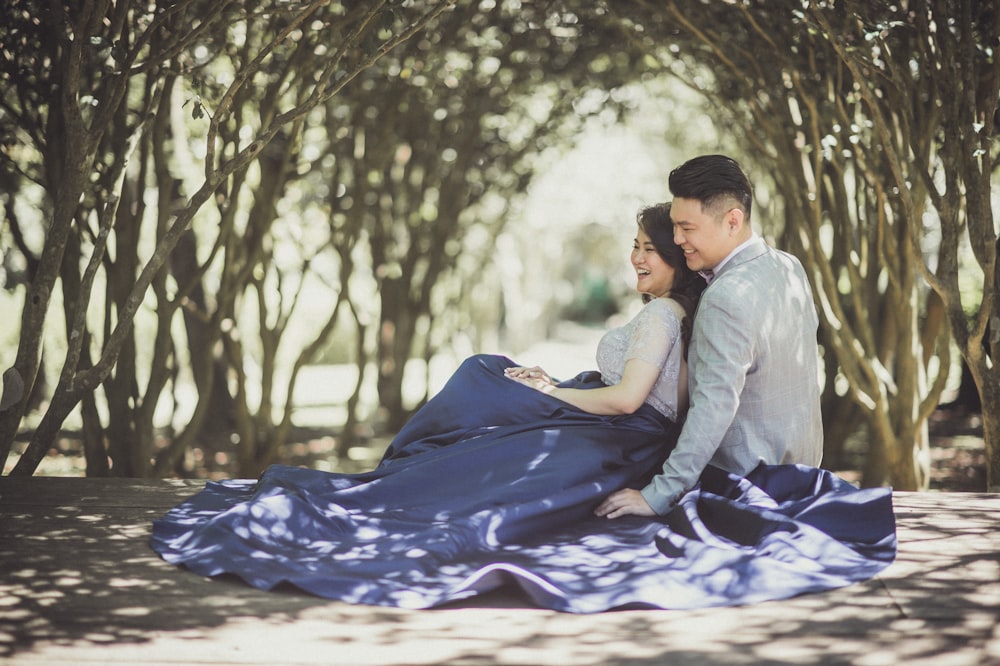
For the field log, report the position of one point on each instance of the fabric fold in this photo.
(506, 498)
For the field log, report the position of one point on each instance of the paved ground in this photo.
(79, 585)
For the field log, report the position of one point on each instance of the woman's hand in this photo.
(534, 377)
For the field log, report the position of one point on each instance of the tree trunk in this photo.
(840, 422)
(983, 368)
(36, 303)
(395, 341)
(350, 435)
(991, 435)
(63, 402)
(201, 336)
(95, 451)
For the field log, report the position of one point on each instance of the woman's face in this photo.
(654, 276)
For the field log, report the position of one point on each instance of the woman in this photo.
(642, 361)
(642, 379)
(496, 479)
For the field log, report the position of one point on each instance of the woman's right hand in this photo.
(533, 375)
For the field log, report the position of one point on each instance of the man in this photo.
(753, 361)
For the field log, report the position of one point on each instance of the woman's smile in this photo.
(654, 276)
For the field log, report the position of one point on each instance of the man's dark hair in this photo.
(712, 179)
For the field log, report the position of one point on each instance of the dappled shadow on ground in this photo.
(80, 585)
(77, 568)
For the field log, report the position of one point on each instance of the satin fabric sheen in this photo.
(493, 483)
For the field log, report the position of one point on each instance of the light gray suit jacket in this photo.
(753, 374)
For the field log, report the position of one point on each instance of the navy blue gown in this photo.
(494, 483)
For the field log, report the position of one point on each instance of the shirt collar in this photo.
(710, 274)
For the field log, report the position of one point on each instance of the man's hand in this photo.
(623, 503)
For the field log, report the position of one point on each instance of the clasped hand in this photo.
(534, 377)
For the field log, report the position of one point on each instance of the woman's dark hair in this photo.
(712, 180)
(656, 223)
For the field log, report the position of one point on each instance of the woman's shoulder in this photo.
(664, 309)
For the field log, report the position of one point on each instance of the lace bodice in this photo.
(654, 336)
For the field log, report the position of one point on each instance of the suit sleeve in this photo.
(723, 347)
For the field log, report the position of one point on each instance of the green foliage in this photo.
(860, 114)
(253, 182)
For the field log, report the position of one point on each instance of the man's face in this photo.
(706, 238)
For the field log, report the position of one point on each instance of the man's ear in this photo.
(734, 220)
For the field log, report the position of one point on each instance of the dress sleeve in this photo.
(656, 328)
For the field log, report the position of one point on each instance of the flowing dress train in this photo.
(494, 483)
